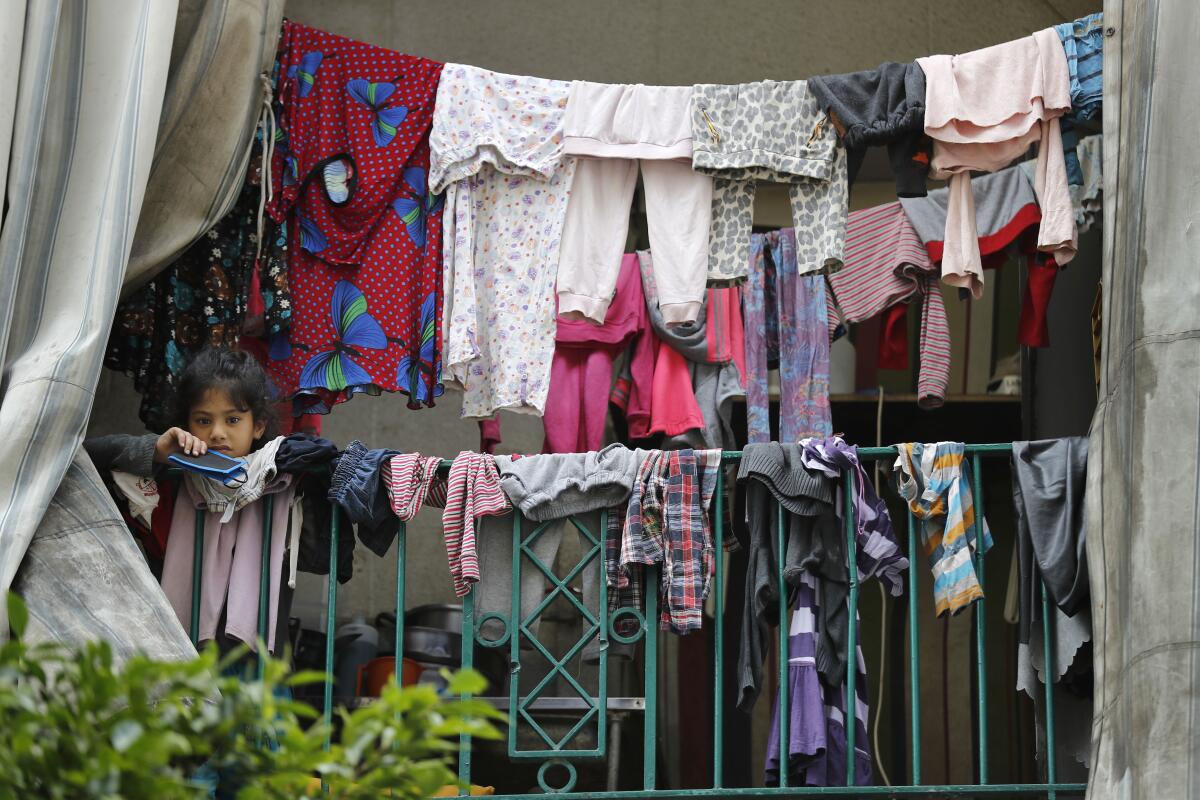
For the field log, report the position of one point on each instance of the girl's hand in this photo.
(177, 440)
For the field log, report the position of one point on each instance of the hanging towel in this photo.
(932, 479)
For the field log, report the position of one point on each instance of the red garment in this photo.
(1021, 228)
(349, 175)
(489, 435)
(725, 331)
(632, 392)
(1033, 330)
(674, 410)
(893, 337)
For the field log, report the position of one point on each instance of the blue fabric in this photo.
(1070, 141)
(357, 487)
(301, 452)
(1083, 44)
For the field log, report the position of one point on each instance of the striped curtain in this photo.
(79, 111)
(1143, 495)
(213, 101)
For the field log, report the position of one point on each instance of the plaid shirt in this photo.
(666, 524)
(624, 590)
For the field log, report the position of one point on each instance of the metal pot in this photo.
(446, 616)
(432, 645)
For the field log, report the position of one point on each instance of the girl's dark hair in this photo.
(238, 374)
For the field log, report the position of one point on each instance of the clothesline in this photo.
(461, 227)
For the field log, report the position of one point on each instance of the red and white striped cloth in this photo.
(885, 263)
(411, 480)
(472, 491)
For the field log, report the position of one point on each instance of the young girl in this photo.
(223, 403)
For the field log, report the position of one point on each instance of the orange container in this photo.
(375, 674)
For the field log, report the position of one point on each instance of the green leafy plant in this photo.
(75, 724)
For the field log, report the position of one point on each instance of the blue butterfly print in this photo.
(373, 95)
(411, 372)
(306, 72)
(311, 238)
(291, 170)
(356, 330)
(413, 211)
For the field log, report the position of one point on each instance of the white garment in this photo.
(295, 530)
(231, 562)
(678, 215)
(141, 494)
(496, 150)
(225, 500)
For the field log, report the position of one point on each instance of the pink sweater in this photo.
(980, 123)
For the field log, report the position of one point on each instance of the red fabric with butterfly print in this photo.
(365, 254)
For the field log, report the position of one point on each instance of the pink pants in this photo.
(678, 214)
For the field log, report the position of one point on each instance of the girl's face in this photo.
(229, 430)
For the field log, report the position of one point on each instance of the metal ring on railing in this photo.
(626, 611)
(492, 643)
(566, 787)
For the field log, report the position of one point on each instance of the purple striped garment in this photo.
(878, 553)
(817, 712)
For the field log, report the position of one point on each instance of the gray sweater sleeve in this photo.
(132, 454)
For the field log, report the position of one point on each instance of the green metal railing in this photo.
(598, 625)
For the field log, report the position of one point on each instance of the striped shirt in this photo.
(932, 480)
(410, 479)
(885, 264)
(472, 491)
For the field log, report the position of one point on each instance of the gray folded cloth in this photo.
(558, 485)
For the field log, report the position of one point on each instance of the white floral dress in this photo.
(496, 150)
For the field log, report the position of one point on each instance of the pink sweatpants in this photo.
(232, 566)
(678, 214)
